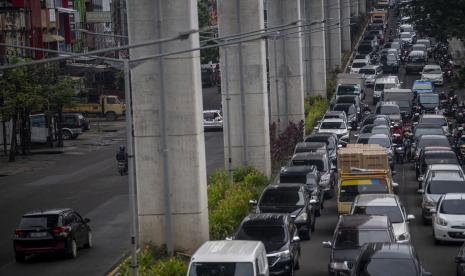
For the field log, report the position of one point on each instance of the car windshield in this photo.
(440, 158)
(403, 104)
(348, 109)
(434, 121)
(320, 164)
(432, 71)
(423, 86)
(382, 141)
(393, 212)
(352, 187)
(453, 207)
(282, 197)
(445, 186)
(221, 269)
(398, 267)
(428, 142)
(333, 125)
(418, 59)
(428, 99)
(405, 35)
(348, 238)
(380, 130)
(47, 221)
(431, 130)
(388, 110)
(367, 71)
(293, 179)
(358, 64)
(347, 90)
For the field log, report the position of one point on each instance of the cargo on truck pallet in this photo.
(363, 156)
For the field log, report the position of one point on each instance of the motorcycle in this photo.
(400, 154)
(122, 167)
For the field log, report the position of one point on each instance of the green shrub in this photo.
(169, 267)
(219, 183)
(241, 172)
(318, 107)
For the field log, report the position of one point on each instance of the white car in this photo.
(385, 204)
(406, 37)
(371, 73)
(433, 73)
(212, 120)
(449, 218)
(357, 64)
(336, 126)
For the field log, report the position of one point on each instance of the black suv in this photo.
(280, 237)
(398, 259)
(311, 147)
(308, 175)
(331, 143)
(293, 199)
(322, 163)
(51, 231)
(351, 233)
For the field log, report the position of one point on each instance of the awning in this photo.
(52, 38)
(66, 10)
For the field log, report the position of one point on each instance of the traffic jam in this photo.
(375, 123)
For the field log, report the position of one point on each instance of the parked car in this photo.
(435, 119)
(416, 60)
(375, 129)
(422, 128)
(429, 141)
(449, 218)
(384, 83)
(376, 119)
(434, 155)
(248, 257)
(357, 64)
(311, 147)
(212, 120)
(436, 185)
(398, 259)
(351, 233)
(335, 115)
(353, 99)
(385, 204)
(324, 166)
(51, 231)
(279, 235)
(433, 73)
(407, 38)
(83, 121)
(428, 102)
(390, 109)
(453, 169)
(71, 124)
(350, 110)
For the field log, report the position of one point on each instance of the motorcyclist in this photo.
(121, 155)
(408, 141)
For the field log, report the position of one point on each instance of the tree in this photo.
(211, 54)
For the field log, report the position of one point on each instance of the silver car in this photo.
(385, 204)
(212, 120)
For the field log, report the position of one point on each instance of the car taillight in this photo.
(20, 233)
(61, 231)
(78, 124)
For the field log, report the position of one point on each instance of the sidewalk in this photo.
(457, 50)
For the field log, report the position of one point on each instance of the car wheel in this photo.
(88, 243)
(67, 135)
(20, 257)
(72, 252)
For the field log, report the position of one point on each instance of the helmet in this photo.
(121, 148)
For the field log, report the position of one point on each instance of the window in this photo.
(393, 212)
(221, 269)
(453, 207)
(38, 121)
(356, 238)
(112, 100)
(283, 197)
(46, 221)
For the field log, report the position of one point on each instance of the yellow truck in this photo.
(362, 169)
(108, 106)
(379, 16)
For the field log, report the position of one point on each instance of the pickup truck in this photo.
(108, 106)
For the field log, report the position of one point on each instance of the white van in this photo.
(384, 83)
(243, 257)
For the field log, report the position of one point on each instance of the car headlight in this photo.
(280, 254)
(324, 178)
(338, 266)
(301, 218)
(404, 237)
(441, 221)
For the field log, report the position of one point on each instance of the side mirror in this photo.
(86, 220)
(349, 128)
(327, 244)
(433, 211)
(459, 259)
(312, 201)
(253, 202)
(420, 191)
(410, 217)
(229, 238)
(293, 216)
(315, 128)
(420, 179)
(296, 239)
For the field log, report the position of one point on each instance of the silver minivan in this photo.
(384, 83)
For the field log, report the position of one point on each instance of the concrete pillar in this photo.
(362, 6)
(333, 34)
(185, 144)
(285, 61)
(244, 79)
(304, 14)
(354, 8)
(346, 43)
(317, 48)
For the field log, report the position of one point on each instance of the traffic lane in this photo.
(81, 182)
(214, 149)
(110, 232)
(211, 98)
(437, 259)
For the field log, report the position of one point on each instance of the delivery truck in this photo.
(108, 106)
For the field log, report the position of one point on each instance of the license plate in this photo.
(38, 234)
